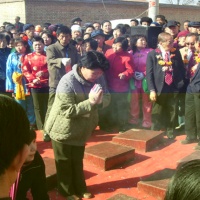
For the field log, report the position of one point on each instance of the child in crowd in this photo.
(32, 175)
(89, 45)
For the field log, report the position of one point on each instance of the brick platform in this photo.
(141, 140)
(108, 155)
(156, 184)
(156, 189)
(121, 197)
(193, 156)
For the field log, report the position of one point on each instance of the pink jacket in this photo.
(139, 59)
(121, 62)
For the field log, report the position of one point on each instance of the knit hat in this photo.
(194, 24)
(76, 28)
(27, 26)
(53, 27)
(76, 19)
(146, 19)
(170, 23)
(182, 34)
(96, 33)
(38, 28)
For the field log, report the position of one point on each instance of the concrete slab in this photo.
(108, 155)
(156, 184)
(193, 156)
(156, 188)
(139, 139)
(121, 197)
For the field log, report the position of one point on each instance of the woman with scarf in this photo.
(15, 80)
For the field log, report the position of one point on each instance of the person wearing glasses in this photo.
(192, 104)
(187, 54)
(165, 78)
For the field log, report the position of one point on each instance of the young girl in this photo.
(15, 80)
(31, 176)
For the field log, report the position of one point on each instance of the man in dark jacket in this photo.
(165, 78)
(18, 24)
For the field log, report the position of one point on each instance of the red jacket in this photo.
(34, 63)
(121, 62)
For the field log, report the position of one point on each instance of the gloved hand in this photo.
(96, 94)
(121, 76)
(139, 75)
(66, 61)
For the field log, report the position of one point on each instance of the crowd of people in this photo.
(70, 79)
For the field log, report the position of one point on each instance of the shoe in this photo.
(122, 129)
(33, 127)
(189, 141)
(87, 195)
(73, 197)
(46, 138)
(197, 147)
(170, 135)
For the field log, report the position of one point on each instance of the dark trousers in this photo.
(3, 89)
(164, 112)
(2, 86)
(192, 115)
(69, 166)
(40, 99)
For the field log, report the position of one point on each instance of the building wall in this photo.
(89, 11)
(62, 11)
(10, 9)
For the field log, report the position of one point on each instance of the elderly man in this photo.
(18, 25)
(192, 103)
(165, 78)
(194, 27)
(59, 56)
(76, 20)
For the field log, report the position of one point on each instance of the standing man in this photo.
(171, 27)
(4, 53)
(194, 27)
(192, 102)
(185, 24)
(29, 30)
(165, 78)
(160, 19)
(134, 22)
(76, 20)
(59, 55)
(18, 25)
